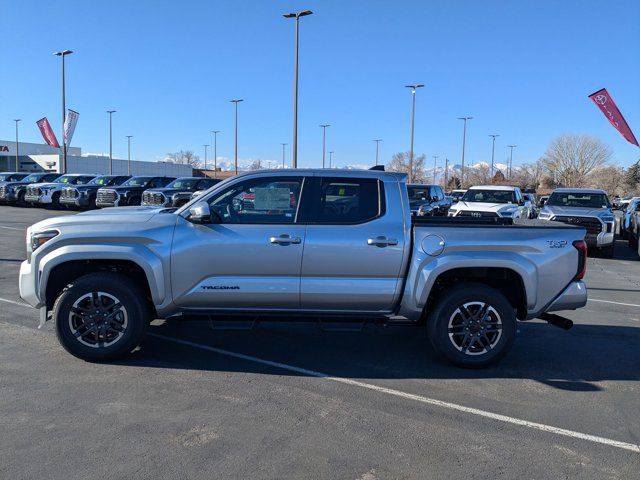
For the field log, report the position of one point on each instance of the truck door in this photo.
(250, 255)
(354, 245)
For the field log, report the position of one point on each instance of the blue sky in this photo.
(522, 69)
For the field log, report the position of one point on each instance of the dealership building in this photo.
(37, 157)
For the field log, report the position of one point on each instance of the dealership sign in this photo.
(4, 148)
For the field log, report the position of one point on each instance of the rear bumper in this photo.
(572, 297)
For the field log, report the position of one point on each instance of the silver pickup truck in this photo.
(301, 244)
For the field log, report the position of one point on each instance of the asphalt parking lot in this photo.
(292, 401)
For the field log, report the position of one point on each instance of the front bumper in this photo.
(28, 284)
(44, 198)
(79, 201)
(9, 197)
(572, 297)
(602, 239)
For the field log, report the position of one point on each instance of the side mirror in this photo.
(200, 213)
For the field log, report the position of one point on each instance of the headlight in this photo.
(424, 210)
(40, 238)
(544, 216)
(608, 219)
(452, 212)
(507, 213)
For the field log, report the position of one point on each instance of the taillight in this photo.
(581, 246)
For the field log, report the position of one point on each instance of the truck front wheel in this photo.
(101, 316)
(472, 325)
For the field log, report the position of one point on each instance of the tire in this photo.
(128, 323)
(20, 202)
(491, 344)
(623, 233)
(633, 241)
(608, 251)
(55, 201)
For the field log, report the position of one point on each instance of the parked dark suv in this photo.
(427, 200)
(130, 192)
(177, 193)
(84, 196)
(13, 191)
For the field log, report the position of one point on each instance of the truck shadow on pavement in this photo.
(573, 360)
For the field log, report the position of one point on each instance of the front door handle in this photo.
(285, 240)
(382, 241)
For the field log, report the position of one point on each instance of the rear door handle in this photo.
(285, 240)
(382, 241)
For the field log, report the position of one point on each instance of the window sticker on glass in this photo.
(272, 199)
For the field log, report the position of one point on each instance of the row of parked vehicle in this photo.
(85, 191)
(630, 222)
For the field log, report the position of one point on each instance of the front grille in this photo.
(153, 198)
(33, 192)
(106, 196)
(69, 194)
(3, 191)
(593, 225)
(473, 214)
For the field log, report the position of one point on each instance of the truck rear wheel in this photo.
(472, 325)
(101, 316)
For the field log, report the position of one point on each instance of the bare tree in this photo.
(256, 165)
(184, 157)
(477, 175)
(400, 163)
(528, 175)
(609, 178)
(570, 158)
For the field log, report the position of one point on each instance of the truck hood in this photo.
(114, 216)
(483, 207)
(169, 191)
(576, 211)
(121, 189)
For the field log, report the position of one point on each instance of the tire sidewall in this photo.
(438, 324)
(125, 291)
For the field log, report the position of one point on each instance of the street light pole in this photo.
(324, 137)
(129, 137)
(215, 151)
(413, 113)
(330, 158)
(493, 153)
(205, 159)
(377, 140)
(510, 169)
(464, 141)
(435, 165)
(236, 101)
(283, 145)
(110, 112)
(17, 145)
(295, 82)
(63, 168)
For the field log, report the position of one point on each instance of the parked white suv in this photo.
(494, 201)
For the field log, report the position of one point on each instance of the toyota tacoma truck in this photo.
(310, 243)
(84, 196)
(14, 192)
(130, 192)
(177, 193)
(587, 207)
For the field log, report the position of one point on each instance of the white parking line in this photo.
(410, 396)
(616, 303)
(397, 393)
(13, 228)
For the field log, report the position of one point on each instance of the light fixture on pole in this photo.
(297, 16)
(377, 140)
(17, 144)
(464, 141)
(435, 165)
(493, 153)
(283, 145)
(324, 137)
(129, 137)
(110, 112)
(510, 169)
(235, 156)
(330, 158)
(63, 167)
(215, 151)
(413, 113)
(205, 159)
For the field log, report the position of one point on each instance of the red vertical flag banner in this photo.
(605, 103)
(47, 132)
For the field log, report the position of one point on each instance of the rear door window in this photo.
(348, 200)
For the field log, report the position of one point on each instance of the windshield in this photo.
(489, 196)
(585, 200)
(186, 183)
(418, 193)
(11, 177)
(136, 182)
(104, 180)
(64, 179)
(34, 177)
